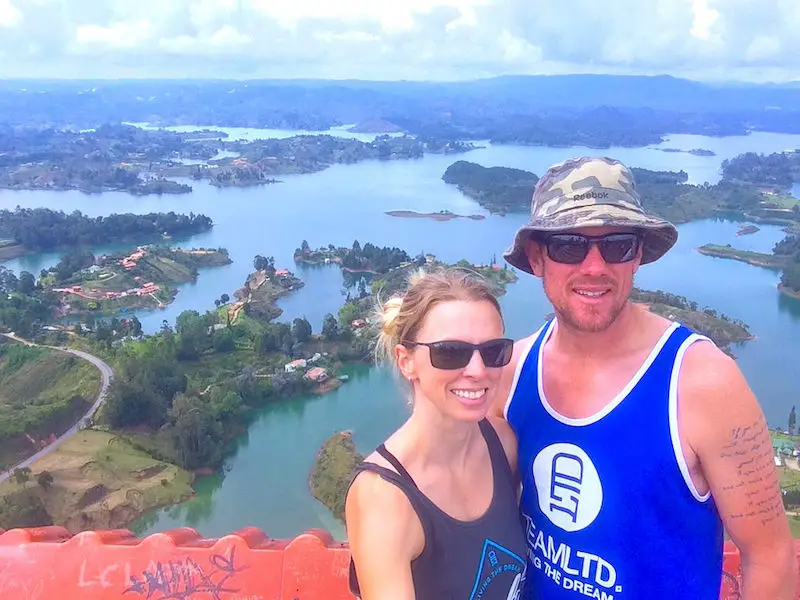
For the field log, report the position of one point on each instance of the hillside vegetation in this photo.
(42, 392)
(94, 480)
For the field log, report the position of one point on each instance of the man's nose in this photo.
(594, 263)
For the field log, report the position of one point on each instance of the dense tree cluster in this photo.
(779, 169)
(500, 189)
(24, 307)
(160, 385)
(788, 246)
(45, 229)
(373, 258)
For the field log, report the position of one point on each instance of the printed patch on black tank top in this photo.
(500, 574)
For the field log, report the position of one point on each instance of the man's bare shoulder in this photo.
(707, 369)
(712, 391)
(508, 375)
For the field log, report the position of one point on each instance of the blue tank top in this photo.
(610, 508)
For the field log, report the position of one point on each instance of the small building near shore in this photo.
(291, 367)
(317, 374)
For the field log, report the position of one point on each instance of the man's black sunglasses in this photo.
(455, 354)
(572, 248)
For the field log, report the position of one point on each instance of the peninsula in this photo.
(785, 257)
(724, 331)
(26, 230)
(665, 193)
(142, 278)
(498, 189)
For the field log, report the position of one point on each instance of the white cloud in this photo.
(443, 39)
(704, 18)
(119, 34)
(10, 16)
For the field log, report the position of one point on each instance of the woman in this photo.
(433, 512)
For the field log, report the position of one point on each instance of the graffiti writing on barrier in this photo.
(731, 586)
(185, 579)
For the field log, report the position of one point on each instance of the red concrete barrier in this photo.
(48, 563)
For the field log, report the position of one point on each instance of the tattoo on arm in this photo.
(750, 450)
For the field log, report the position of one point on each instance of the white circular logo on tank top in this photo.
(568, 486)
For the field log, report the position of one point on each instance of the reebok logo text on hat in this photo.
(590, 192)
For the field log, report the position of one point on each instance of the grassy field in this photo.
(42, 392)
(782, 200)
(101, 481)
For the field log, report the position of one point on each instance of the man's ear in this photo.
(534, 251)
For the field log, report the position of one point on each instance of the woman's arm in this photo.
(385, 535)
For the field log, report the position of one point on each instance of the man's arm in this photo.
(724, 427)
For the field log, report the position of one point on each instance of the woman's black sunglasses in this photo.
(572, 248)
(455, 354)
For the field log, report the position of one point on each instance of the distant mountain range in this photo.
(488, 107)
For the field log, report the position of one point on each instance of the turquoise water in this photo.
(264, 482)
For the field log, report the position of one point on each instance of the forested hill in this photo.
(45, 229)
(779, 169)
(500, 189)
(666, 193)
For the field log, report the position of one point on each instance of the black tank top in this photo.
(482, 559)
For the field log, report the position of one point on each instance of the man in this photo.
(639, 440)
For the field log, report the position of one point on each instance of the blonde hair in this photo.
(401, 317)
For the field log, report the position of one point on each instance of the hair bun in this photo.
(391, 310)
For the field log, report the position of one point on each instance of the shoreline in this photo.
(789, 292)
(756, 259)
(198, 473)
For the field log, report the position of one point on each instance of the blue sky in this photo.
(755, 40)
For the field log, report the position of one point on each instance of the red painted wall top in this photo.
(48, 563)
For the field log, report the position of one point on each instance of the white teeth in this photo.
(590, 294)
(469, 394)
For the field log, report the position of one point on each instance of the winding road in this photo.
(107, 373)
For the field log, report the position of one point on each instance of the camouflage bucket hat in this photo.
(590, 192)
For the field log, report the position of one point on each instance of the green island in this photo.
(498, 189)
(693, 151)
(333, 470)
(785, 257)
(145, 161)
(28, 230)
(442, 215)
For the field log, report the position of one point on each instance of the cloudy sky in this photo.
(754, 40)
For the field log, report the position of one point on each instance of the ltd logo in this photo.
(568, 486)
